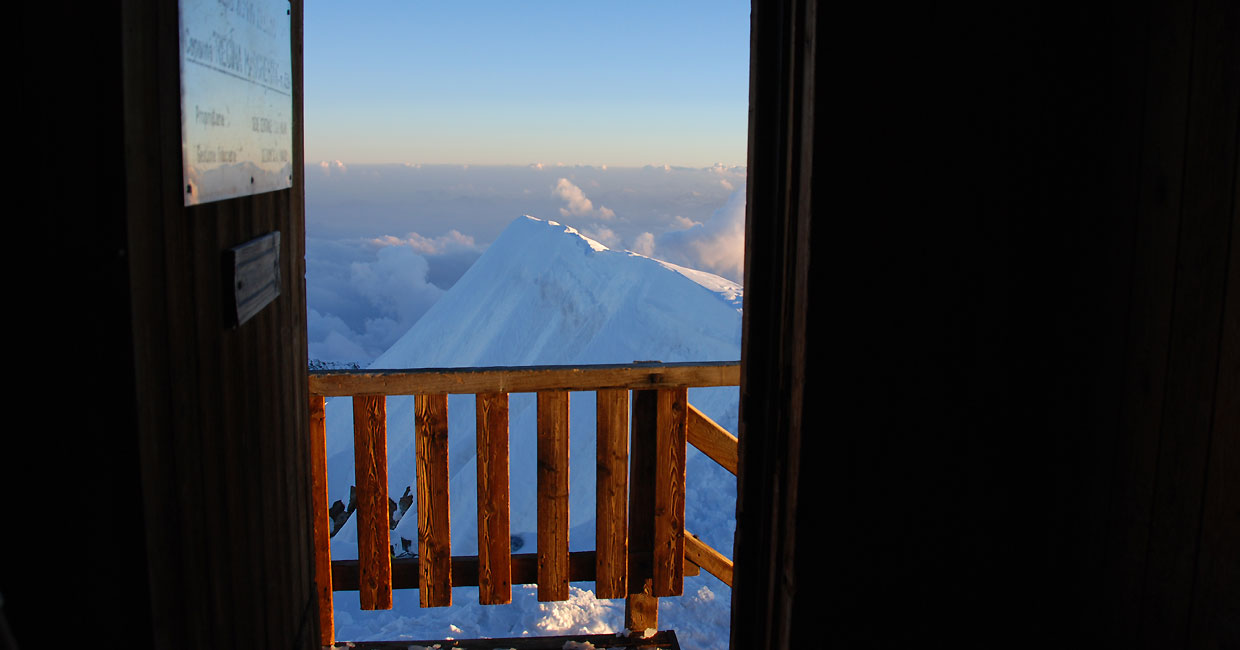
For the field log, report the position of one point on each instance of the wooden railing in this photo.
(642, 548)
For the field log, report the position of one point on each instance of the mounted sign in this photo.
(236, 98)
(251, 277)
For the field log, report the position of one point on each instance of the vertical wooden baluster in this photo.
(611, 490)
(434, 535)
(553, 495)
(669, 492)
(494, 539)
(322, 529)
(641, 608)
(370, 471)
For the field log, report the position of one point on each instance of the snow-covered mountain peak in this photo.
(528, 224)
(543, 293)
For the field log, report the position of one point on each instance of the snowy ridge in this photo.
(544, 294)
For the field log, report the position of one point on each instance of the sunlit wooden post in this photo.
(322, 528)
(494, 540)
(434, 535)
(370, 471)
(553, 495)
(611, 494)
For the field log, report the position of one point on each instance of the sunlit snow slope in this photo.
(544, 294)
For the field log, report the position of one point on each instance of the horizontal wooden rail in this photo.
(713, 440)
(524, 379)
(701, 554)
(405, 570)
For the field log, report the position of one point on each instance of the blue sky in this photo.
(618, 84)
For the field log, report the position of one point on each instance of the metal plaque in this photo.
(236, 98)
(251, 277)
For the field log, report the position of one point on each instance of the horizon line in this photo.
(538, 166)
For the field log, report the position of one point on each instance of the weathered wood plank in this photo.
(494, 540)
(708, 558)
(370, 472)
(527, 379)
(611, 493)
(641, 608)
(434, 535)
(669, 492)
(712, 439)
(406, 571)
(322, 529)
(553, 495)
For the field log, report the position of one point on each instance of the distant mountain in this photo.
(544, 294)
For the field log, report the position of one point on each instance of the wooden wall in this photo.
(172, 444)
(992, 339)
(222, 410)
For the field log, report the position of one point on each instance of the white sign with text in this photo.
(236, 98)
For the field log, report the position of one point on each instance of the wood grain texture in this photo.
(703, 555)
(641, 607)
(370, 467)
(713, 440)
(611, 493)
(434, 535)
(553, 495)
(669, 492)
(406, 571)
(494, 541)
(528, 379)
(322, 528)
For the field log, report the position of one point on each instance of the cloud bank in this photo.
(717, 245)
(367, 283)
(365, 294)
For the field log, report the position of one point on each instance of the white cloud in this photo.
(330, 166)
(365, 294)
(451, 242)
(718, 245)
(684, 223)
(396, 283)
(644, 244)
(578, 205)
